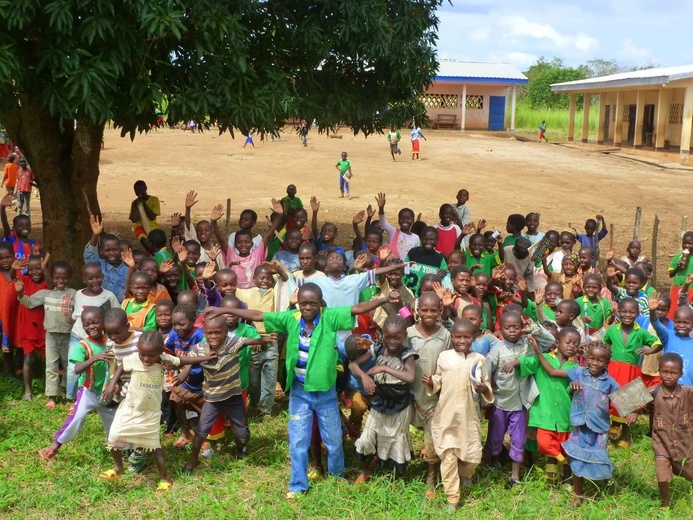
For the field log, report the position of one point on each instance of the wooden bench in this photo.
(446, 119)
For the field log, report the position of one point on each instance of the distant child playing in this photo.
(144, 211)
(542, 131)
(343, 166)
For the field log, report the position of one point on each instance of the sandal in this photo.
(110, 474)
(292, 497)
(552, 472)
(314, 474)
(513, 482)
(47, 453)
(362, 478)
(615, 432)
(623, 443)
(163, 486)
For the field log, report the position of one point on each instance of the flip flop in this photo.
(552, 472)
(47, 453)
(623, 443)
(163, 486)
(110, 474)
(615, 432)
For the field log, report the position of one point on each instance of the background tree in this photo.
(69, 66)
(542, 75)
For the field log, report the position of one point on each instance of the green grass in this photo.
(255, 487)
(527, 121)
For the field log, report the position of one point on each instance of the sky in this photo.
(632, 32)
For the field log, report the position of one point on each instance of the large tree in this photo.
(67, 67)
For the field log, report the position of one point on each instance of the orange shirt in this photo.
(159, 292)
(11, 170)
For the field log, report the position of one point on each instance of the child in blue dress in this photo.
(589, 415)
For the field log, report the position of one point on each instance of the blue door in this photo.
(496, 113)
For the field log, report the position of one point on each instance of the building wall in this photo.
(474, 118)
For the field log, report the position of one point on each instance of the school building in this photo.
(473, 96)
(644, 108)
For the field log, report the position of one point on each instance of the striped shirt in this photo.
(302, 363)
(222, 375)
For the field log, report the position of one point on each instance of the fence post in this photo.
(655, 231)
(636, 228)
(228, 215)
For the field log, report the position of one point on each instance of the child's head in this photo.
(157, 239)
(164, 314)
(92, 322)
(670, 369)
(394, 333)
(508, 278)
(373, 240)
(183, 319)
(462, 197)
(204, 232)
(635, 279)
(171, 278)
(328, 232)
(140, 188)
(511, 326)
(532, 221)
(515, 224)
(61, 272)
(590, 227)
(455, 259)
(192, 247)
(570, 264)
(628, 310)
(461, 279)
(354, 345)
(293, 240)
(216, 332)
(568, 341)
(140, 286)
(598, 357)
(553, 294)
(11, 158)
(137, 256)
(592, 285)
(663, 308)
(262, 277)
(335, 263)
(463, 332)
(683, 321)
(429, 308)
(309, 301)
(300, 218)
(446, 214)
(226, 281)
(427, 283)
(645, 267)
(190, 297)
(92, 276)
(405, 218)
(21, 225)
(418, 228)
(35, 269)
(687, 241)
(567, 241)
(481, 281)
(553, 238)
(429, 238)
(552, 328)
(247, 220)
(116, 325)
(291, 191)
(231, 302)
(477, 242)
(489, 241)
(634, 248)
(521, 248)
(150, 347)
(109, 249)
(586, 257)
(306, 256)
(394, 278)
(151, 267)
(474, 314)
(566, 311)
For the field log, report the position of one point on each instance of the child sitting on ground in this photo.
(456, 422)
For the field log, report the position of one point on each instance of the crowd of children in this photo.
(439, 328)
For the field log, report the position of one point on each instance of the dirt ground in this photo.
(503, 175)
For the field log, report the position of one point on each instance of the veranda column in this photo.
(571, 117)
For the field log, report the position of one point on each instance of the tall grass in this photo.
(528, 119)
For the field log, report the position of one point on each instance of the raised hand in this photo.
(380, 200)
(270, 266)
(182, 255)
(209, 271)
(166, 266)
(689, 279)
(653, 303)
(175, 220)
(481, 225)
(418, 217)
(468, 229)
(439, 290)
(610, 254)
(370, 211)
(17, 265)
(19, 284)
(610, 271)
(44, 260)
(497, 272)
(214, 252)
(384, 253)
(308, 235)
(217, 213)
(394, 298)
(190, 199)
(96, 224)
(314, 203)
(126, 255)
(360, 262)
(521, 283)
(175, 244)
(449, 298)
(359, 217)
(7, 200)
(276, 206)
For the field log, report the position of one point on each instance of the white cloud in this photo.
(480, 34)
(629, 50)
(519, 29)
(586, 43)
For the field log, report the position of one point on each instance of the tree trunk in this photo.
(65, 161)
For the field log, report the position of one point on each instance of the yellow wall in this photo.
(475, 119)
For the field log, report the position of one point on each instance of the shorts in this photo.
(541, 136)
(665, 468)
(188, 398)
(31, 345)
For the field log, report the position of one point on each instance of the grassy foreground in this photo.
(254, 488)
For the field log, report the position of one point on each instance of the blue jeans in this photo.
(72, 378)
(344, 184)
(263, 379)
(302, 406)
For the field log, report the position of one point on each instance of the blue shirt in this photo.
(591, 404)
(321, 246)
(113, 277)
(352, 382)
(342, 292)
(181, 347)
(587, 241)
(288, 260)
(681, 345)
(484, 344)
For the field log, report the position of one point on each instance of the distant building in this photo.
(651, 108)
(469, 95)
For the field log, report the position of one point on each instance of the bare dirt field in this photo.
(503, 175)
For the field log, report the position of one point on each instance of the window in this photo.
(474, 102)
(626, 113)
(440, 100)
(676, 113)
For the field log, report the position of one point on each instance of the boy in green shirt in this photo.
(311, 373)
(345, 173)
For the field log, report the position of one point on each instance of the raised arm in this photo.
(274, 226)
(190, 201)
(315, 206)
(355, 221)
(96, 232)
(6, 229)
(554, 372)
(364, 307)
(246, 314)
(611, 279)
(217, 213)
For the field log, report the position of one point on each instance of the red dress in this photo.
(9, 308)
(31, 332)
